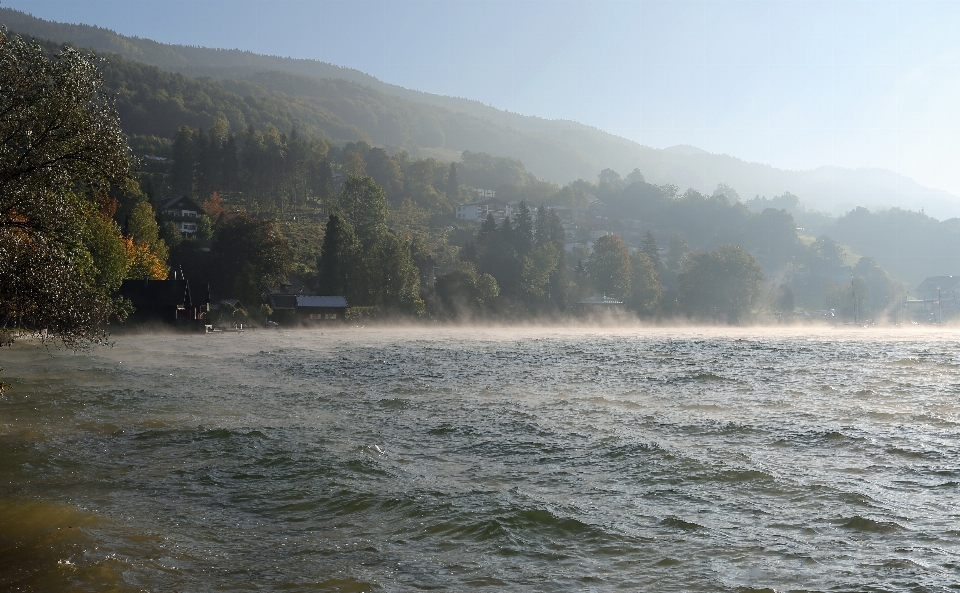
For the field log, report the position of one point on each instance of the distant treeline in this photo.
(516, 267)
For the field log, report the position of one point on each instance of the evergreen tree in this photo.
(336, 258)
(469, 252)
(549, 227)
(649, 247)
(523, 232)
(488, 229)
(549, 230)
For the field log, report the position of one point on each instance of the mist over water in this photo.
(455, 459)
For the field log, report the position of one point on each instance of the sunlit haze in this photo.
(793, 84)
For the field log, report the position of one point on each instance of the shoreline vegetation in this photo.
(401, 238)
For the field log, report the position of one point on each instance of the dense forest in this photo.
(526, 264)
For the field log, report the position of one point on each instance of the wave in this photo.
(865, 524)
(678, 523)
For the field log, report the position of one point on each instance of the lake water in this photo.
(461, 459)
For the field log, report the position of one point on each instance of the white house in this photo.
(182, 212)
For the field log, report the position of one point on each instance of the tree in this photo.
(146, 251)
(62, 147)
(108, 256)
(549, 228)
(354, 165)
(678, 250)
(883, 293)
(783, 299)
(609, 177)
(610, 266)
(393, 282)
(252, 257)
(825, 254)
(523, 233)
(647, 290)
(364, 206)
(649, 246)
(722, 285)
(386, 172)
(537, 267)
(337, 257)
(774, 235)
(213, 206)
(464, 291)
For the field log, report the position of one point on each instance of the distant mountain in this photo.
(834, 190)
(346, 104)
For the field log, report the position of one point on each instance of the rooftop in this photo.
(600, 299)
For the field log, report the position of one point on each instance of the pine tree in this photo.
(523, 233)
(649, 246)
(335, 260)
(549, 228)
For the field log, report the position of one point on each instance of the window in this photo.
(330, 316)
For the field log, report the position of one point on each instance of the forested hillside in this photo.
(347, 104)
(280, 145)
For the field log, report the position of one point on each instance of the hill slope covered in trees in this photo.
(347, 104)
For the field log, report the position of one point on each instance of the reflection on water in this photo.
(392, 460)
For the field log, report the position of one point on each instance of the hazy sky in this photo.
(793, 84)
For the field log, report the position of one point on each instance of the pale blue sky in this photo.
(793, 84)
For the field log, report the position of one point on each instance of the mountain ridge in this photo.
(557, 150)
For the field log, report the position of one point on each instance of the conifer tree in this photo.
(523, 233)
(333, 265)
(649, 246)
(549, 230)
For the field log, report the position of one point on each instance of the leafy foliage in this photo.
(62, 149)
(252, 255)
(610, 267)
(721, 285)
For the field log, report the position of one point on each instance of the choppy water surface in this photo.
(548, 460)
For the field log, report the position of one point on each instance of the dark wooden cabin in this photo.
(174, 302)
